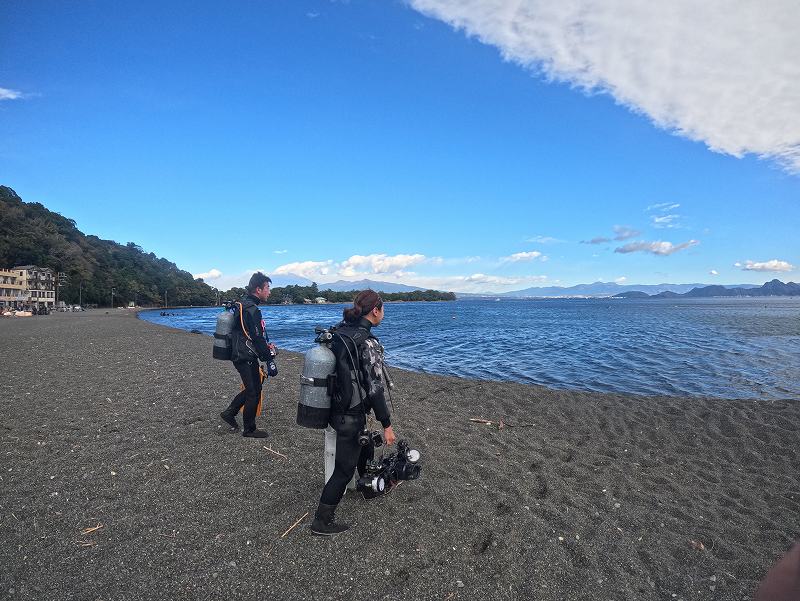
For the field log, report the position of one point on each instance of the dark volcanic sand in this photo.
(108, 420)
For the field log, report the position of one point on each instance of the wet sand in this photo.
(118, 481)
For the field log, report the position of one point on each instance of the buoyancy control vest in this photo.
(245, 343)
(346, 346)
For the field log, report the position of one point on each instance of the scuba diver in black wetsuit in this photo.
(360, 386)
(249, 345)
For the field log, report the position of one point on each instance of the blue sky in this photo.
(469, 146)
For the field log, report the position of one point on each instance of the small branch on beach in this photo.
(276, 453)
(293, 526)
(85, 543)
(165, 535)
(500, 424)
(86, 531)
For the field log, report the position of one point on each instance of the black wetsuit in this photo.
(360, 388)
(247, 363)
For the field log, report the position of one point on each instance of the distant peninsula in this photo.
(298, 295)
(771, 288)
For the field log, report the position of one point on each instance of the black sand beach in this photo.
(118, 482)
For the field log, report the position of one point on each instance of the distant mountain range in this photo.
(593, 290)
(344, 286)
(596, 289)
(771, 288)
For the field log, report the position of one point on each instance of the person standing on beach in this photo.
(249, 345)
(361, 384)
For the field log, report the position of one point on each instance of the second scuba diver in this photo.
(361, 383)
(249, 345)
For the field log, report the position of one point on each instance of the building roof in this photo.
(32, 268)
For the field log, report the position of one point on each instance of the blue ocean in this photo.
(730, 348)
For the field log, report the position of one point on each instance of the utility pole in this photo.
(61, 280)
(165, 299)
(112, 298)
(80, 294)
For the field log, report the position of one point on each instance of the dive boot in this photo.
(230, 418)
(324, 523)
(255, 433)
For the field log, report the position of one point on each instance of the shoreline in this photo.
(111, 420)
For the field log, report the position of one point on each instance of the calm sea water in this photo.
(732, 348)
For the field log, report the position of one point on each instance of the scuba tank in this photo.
(222, 336)
(316, 383)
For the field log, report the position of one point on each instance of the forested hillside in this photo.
(32, 234)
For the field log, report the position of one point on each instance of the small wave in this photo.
(724, 349)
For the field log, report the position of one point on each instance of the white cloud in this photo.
(773, 265)
(356, 267)
(722, 73)
(6, 94)
(523, 256)
(211, 274)
(226, 282)
(307, 269)
(665, 221)
(543, 240)
(312, 15)
(280, 252)
(453, 260)
(656, 248)
(623, 232)
(621, 280)
(359, 265)
(713, 272)
(663, 206)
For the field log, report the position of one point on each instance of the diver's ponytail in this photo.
(364, 302)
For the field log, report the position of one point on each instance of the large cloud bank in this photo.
(723, 73)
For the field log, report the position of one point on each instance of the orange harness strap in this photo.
(263, 376)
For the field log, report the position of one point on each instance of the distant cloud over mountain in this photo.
(773, 265)
(306, 269)
(359, 265)
(720, 73)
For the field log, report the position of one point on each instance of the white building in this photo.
(12, 289)
(39, 283)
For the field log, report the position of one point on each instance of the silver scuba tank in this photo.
(316, 384)
(222, 336)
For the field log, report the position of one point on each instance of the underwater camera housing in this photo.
(403, 464)
(366, 437)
